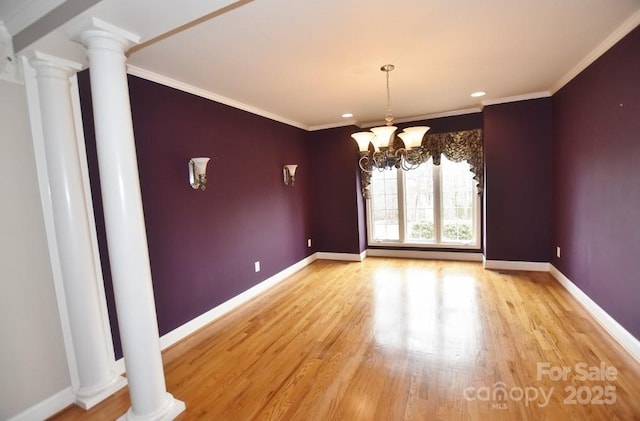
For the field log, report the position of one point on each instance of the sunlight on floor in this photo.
(429, 312)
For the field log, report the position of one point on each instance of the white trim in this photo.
(39, 55)
(622, 336)
(76, 29)
(620, 32)
(515, 265)
(424, 254)
(47, 407)
(33, 101)
(333, 125)
(193, 325)
(619, 333)
(423, 117)
(516, 98)
(185, 87)
(437, 217)
(345, 257)
(119, 367)
(199, 322)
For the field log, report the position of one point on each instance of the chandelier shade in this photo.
(363, 139)
(383, 136)
(412, 136)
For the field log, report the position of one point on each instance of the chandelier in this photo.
(385, 155)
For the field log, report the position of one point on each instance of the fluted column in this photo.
(124, 220)
(95, 363)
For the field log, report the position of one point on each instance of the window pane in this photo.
(419, 203)
(384, 205)
(458, 195)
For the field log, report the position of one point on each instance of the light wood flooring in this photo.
(399, 339)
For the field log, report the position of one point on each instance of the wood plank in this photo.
(396, 339)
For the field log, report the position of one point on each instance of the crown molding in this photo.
(624, 29)
(516, 98)
(333, 125)
(411, 119)
(185, 87)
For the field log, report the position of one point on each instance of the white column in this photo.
(124, 220)
(97, 377)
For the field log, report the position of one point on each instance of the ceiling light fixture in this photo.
(347, 115)
(478, 94)
(384, 155)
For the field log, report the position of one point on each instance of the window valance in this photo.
(459, 146)
(456, 146)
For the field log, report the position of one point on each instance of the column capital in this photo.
(51, 66)
(95, 33)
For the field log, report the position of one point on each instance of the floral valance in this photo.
(459, 146)
(456, 146)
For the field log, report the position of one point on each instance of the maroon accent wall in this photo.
(338, 212)
(203, 245)
(339, 209)
(596, 194)
(517, 146)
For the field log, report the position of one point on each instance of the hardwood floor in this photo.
(400, 339)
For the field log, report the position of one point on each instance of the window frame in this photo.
(437, 215)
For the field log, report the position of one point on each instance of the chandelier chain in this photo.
(388, 118)
(387, 154)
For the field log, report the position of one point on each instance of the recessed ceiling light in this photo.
(347, 115)
(478, 94)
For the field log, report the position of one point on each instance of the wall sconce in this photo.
(289, 172)
(198, 173)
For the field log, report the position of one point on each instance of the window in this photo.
(432, 205)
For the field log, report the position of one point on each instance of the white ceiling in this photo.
(306, 62)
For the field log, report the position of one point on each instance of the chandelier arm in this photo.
(379, 160)
(365, 164)
(408, 165)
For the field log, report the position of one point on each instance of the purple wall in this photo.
(339, 209)
(338, 213)
(517, 146)
(596, 172)
(203, 245)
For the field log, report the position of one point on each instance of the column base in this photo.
(169, 411)
(87, 398)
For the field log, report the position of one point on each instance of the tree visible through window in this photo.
(431, 205)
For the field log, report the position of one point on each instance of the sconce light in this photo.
(198, 173)
(289, 172)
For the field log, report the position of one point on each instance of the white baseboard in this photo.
(347, 257)
(119, 366)
(421, 254)
(514, 265)
(46, 408)
(204, 319)
(619, 333)
(191, 326)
